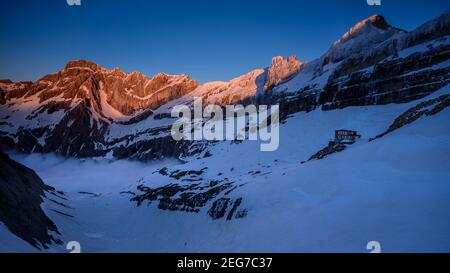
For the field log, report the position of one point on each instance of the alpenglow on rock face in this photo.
(361, 37)
(281, 71)
(126, 93)
(86, 110)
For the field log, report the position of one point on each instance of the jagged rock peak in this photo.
(127, 93)
(83, 64)
(6, 81)
(378, 21)
(373, 23)
(281, 70)
(279, 60)
(361, 37)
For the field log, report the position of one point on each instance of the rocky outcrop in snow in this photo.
(21, 196)
(191, 193)
(426, 108)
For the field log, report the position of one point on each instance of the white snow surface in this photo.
(394, 190)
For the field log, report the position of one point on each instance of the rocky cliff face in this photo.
(389, 73)
(86, 110)
(373, 63)
(395, 80)
(21, 196)
(69, 112)
(84, 80)
(281, 71)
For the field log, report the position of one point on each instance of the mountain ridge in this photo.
(87, 110)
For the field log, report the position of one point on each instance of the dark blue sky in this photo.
(210, 40)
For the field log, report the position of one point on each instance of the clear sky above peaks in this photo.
(209, 40)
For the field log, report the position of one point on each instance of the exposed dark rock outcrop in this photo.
(2, 97)
(191, 194)
(189, 198)
(154, 148)
(21, 196)
(399, 80)
(140, 117)
(426, 108)
(343, 138)
(221, 206)
(331, 148)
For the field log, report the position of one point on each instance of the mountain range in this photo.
(86, 110)
(387, 84)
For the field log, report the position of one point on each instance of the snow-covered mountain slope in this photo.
(86, 110)
(364, 45)
(360, 38)
(393, 189)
